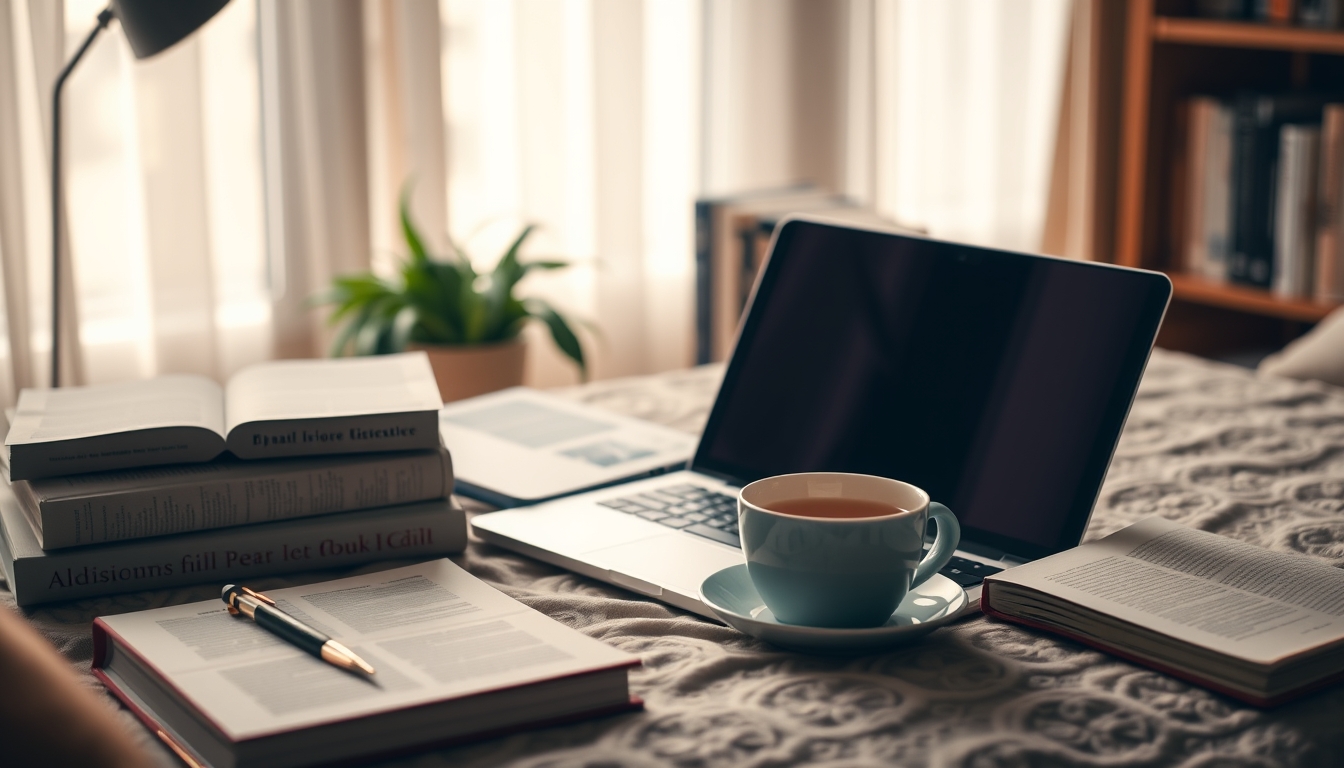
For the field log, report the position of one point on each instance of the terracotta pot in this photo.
(467, 371)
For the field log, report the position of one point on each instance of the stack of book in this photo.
(294, 465)
(1260, 197)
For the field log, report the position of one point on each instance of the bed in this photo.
(1209, 445)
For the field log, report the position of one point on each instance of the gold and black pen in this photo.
(263, 610)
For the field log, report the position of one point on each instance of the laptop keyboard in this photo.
(686, 507)
(713, 515)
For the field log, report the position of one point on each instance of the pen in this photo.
(263, 610)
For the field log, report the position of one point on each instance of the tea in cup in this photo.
(834, 549)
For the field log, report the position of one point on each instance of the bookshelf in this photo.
(1168, 56)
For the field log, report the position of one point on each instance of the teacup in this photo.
(834, 549)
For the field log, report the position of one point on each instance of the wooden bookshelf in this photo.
(1228, 34)
(1244, 299)
(1170, 55)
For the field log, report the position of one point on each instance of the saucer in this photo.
(733, 598)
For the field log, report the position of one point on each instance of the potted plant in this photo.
(468, 322)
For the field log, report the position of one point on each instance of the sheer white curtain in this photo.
(210, 191)
(581, 116)
(941, 115)
(966, 101)
(30, 46)
(163, 197)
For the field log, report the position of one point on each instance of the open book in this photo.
(269, 410)
(1258, 625)
(455, 659)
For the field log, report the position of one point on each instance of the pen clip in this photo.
(258, 595)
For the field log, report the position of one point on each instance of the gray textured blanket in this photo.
(1210, 446)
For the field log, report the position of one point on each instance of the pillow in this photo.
(1317, 355)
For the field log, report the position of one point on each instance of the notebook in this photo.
(997, 381)
(455, 659)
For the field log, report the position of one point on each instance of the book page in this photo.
(312, 389)
(46, 415)
(432, 631)
(1224, 594)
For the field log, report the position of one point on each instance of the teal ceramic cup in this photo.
(840, 572)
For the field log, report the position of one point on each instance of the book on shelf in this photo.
(1205, 208)
(422, 529)
(1248, 212)
(125, 504)
(456, 659)
(1257, 122)
(1313, 14)
(1254, 624)
(1320, 14)
(1295, 211)
(1276, 11)
(269, 410)
(1329, 279)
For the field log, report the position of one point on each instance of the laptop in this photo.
(566, 446)
(997, 381)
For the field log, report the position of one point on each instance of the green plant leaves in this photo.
(441, 301)
(408, 231)
(561, 333)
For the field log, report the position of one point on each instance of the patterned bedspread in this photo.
(1211, 446)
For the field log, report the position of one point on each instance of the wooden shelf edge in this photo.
(1231, 34)
(1261, 302)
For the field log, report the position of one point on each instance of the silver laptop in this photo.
(998, 382)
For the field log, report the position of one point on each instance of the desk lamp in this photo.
(151, 26)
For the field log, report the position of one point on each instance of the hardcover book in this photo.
(1329, 283)
(455, 659)
(424, 529)
(1258, 625)
(270, 410)
(1204, 206)
(1295, 211)
(1257, 120)
(125, 504)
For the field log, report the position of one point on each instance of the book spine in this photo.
(1277, 11)
(1242, 181)
(1286, 255)
(1308, 173)
(704, 281)
(350, 434)
(194, 504)
(427, 529)
(1330, 207)
(1190, 172)
(1254, 175)
(1217, 195)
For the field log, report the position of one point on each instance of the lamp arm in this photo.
(104, 18)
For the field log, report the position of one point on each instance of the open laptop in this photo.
(997, 381)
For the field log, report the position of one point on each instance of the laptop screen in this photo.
(996, 381)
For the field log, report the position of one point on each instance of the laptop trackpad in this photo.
(675, 561)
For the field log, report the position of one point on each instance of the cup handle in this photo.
(944, 544)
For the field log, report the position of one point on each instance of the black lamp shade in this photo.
(154, 25)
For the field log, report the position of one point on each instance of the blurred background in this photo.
(212, 191)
